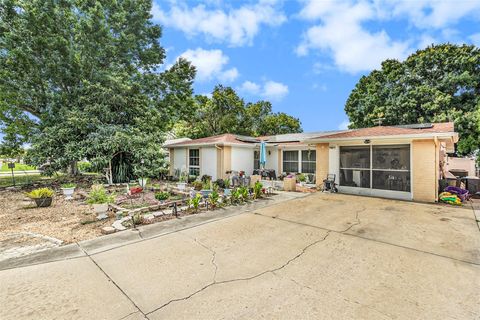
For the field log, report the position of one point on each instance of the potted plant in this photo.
(182, 183)
(68, 189)
(207, 188)
(42, 197)
(226, 190)
(100, 199)
(302, 178)
(142, 182)
(197, 185)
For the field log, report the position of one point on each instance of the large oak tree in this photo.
(439, 83)
(81, 79)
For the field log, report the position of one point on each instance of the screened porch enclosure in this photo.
(381, 167)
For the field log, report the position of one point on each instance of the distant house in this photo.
(402, 162)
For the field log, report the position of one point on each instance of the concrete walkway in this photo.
(322, 256)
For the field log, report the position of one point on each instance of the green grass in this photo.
(18, 167)
(20, 180)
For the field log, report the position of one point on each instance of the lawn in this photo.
(18, 167)
(6, 181)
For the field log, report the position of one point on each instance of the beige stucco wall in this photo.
(227, 160)
(322, 150)
(171, 156)
(424, 170)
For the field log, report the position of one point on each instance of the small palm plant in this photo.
(214, 199)
(195, 202)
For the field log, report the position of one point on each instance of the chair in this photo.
(329, 183)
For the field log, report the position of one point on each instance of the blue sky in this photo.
(305, 56)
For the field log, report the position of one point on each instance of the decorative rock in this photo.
(117, 225)
(148, 218)
(157, 214)
(108, 230)
(119, 215)
(102, 216)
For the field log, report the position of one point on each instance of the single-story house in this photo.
(402, 162)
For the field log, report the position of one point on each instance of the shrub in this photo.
(213, 199)
(197, 185)
(242, 193)
(220, 183)
(98, 195)
(301, 177)
(84, 166)
(207, 185)
(68, 185)
(226, 183)
(257, 190)
(41, 193)
(206, 178)
(161, 196)
(195, 201)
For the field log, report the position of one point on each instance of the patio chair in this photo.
(329, 184)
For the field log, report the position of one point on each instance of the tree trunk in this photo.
(73, 169)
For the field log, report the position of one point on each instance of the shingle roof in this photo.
(222, 139)
(390, 131)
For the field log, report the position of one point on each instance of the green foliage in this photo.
(226, 182)
(161, 196)
(41, 193)
(257, 190)
(68, 185)
(235, 196)
(197, 185)
(213, 199)
(226, 112)
(207, 185)
(242, 193)
(98, 195)
(195, 202)
(81, 80)
(440, 83)
(85, 167)
(301, 177)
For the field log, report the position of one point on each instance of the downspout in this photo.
(221, 161)
(437, 164)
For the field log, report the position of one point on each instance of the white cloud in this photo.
(236, 27)
(344, 125)
(341, 33)
(210, 64)
(430, 14)
(270, 90)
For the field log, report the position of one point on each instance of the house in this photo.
(401, 162)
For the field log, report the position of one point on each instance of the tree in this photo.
(439, 83)
(79, 79)
(226, 112)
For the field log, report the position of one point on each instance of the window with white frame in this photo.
(290, 161)
(194, 162)
(309, 161)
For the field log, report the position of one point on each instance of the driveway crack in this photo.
(357, 213)
(213, 283)
(214, 254)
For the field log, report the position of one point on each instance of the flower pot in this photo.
(205, 193)
(68, 193)
(227, 192)
(100, 208)
(181, 185)
(43, 202)
(142, 182)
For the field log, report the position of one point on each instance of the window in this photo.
(194, 162)
(391, 167)
(309, 161)
(290, 161)
(256, 160)
(355, 166)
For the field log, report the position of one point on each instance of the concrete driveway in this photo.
(323, 256)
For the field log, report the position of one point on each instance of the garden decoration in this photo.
(42, 197)
(68, 189)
